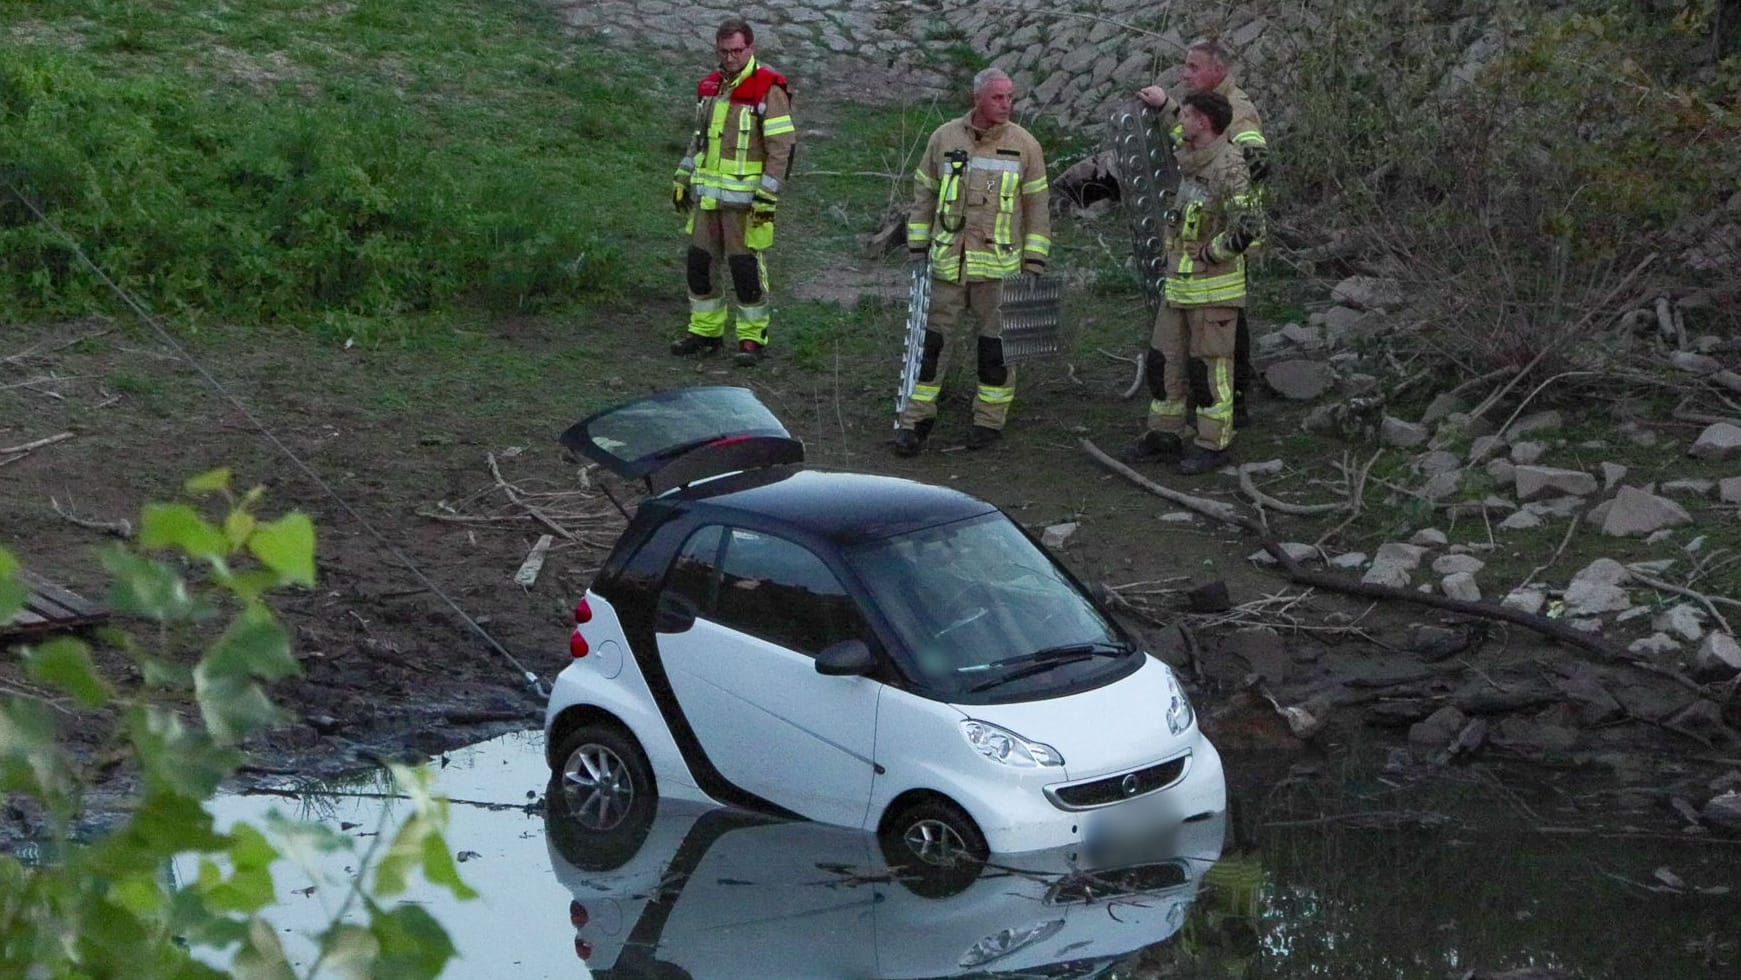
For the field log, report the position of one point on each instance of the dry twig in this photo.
(1699, 597)
(122, 528)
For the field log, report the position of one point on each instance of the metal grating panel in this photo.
(1030, 306)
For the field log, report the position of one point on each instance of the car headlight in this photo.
(1004, 942)
(1179, 713)
(1005, 746)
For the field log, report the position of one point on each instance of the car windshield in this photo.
(976, 603)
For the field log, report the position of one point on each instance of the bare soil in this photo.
(400, 441)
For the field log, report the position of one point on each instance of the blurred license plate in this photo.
(1128, 833)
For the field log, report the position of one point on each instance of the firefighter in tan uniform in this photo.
(1206, 70)
(729, 183)
(1215, 221)
(979, 215)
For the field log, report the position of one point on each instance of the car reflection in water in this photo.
(680, 890)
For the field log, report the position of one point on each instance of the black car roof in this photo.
(847, 508)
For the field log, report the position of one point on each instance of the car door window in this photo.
(782, 592)
(694, 574)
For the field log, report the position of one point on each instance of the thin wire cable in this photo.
(150, 320)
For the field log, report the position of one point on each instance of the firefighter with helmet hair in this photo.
(729, 183)
(979, 215)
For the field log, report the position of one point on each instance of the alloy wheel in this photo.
(598, 786)
(935, 842)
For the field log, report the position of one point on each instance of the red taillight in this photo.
(577, 647)
(582, 612)
(577, 914)
(582, 948)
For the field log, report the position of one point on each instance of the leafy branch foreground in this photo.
(103, 907)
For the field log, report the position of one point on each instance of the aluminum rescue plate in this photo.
(1148, 184)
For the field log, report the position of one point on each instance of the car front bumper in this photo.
(1018, 818)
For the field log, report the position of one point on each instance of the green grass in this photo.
(345, 167)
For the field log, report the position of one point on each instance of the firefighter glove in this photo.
(918, 254)
(765, 202)
(1247, 228)
(680, 196)
(1033, 266)
(1257, 162)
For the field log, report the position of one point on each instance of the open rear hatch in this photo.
(679, 437)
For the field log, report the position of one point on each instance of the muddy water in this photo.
(1311, 876)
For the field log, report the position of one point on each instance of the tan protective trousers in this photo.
(1206, 334)
(949, 301)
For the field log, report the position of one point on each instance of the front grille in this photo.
(1123, 786)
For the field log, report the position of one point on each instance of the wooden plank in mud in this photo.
(50, 608)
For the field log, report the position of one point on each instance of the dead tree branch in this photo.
(1293, 572)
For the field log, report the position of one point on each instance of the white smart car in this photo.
(858, 650)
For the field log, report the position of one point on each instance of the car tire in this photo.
(935, 847)
(601, 799)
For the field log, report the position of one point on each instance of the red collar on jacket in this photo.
(752, 86)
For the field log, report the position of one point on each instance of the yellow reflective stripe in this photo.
(924, 180)
(1167, 409)
(926, 393)
(753, 314)
(948, 192)
(1003, 226)
(1037, 244)
(746, 124)
(984, 265)
(710, 194)
(997, 394)
(778, 126)
(1035, 186)
(1207, 291)
(1250, 137)
(706, 305)
(715, 129)
(918, 234)
(994, 163)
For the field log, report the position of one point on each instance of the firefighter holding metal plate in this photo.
(978, 218)
(1213, 220)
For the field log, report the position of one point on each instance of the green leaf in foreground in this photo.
(66, 664)
(180, 526)
(287, 547)
(12, 590)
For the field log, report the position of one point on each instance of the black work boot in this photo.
(1153, 447)
(983, 437)
(694, 343)
(750, 353)
(1197, 460)
(910, 442)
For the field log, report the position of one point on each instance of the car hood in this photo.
(1106, 730)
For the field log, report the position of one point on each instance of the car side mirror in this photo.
(848, 658)
(675, 613)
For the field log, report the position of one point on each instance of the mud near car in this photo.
(455, 486)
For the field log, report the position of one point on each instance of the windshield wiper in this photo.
(1041, 661)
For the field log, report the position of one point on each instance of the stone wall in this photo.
(1069, 65)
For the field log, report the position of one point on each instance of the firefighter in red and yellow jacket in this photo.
(979, 215)
(729, 183)
(1191, 351)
